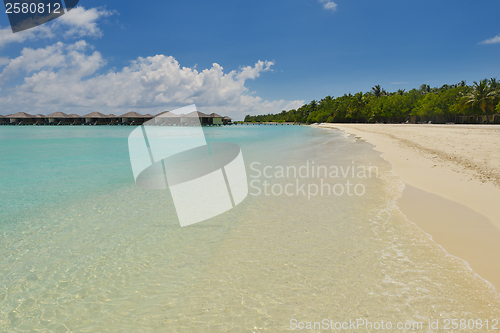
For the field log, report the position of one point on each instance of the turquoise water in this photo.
(83, 249)
(50, 165)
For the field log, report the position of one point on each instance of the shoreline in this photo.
(452, 187)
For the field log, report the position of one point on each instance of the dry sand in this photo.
(452, 173)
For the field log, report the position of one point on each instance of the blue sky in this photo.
(307, 49)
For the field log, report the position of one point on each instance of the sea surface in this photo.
(83, 249)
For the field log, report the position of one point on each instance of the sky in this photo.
(241, 57)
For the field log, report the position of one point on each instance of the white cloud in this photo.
(329, 5)
(82, 22)
(78, 22)
(7, 36)
(65, 78)
(67, 60)
(493, 40)
(4, 61)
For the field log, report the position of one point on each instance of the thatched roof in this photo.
(40, 115)
(20, 115)
(168, 114)
(227, 118)
(58, 115)
(197, 114)
(132, 115)
(147, 115)
(74, 116)
(112, 116)
(95, 115)
(215, 115)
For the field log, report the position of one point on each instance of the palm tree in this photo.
(495, 92)
(425, 88)
(482, 96)
(313, 105)
(378, 91)
(494, 84)
(356, 105)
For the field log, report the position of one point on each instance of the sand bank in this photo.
(452, 173)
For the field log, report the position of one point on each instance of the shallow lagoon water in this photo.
(82, 248)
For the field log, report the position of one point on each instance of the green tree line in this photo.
(446, 104)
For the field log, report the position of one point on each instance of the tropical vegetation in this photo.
(448, 103)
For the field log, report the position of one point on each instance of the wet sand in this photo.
(452, 173)
(463, 232)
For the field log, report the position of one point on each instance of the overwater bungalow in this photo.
(195, 118)
(114, 120)
(41, 119)
(21, 118)
(59, 118)
(134, 118)
(217, 119)
(96, 118)
(165, 118)
(76, 119)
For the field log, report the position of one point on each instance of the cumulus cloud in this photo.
(67, 60)
(493, 40)
(82, 22)
(329, 5)
(71, 78)
(4, 61)
(78, 22)
(66, 78)
(7, 36)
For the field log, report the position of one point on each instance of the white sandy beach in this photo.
(452, 173)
